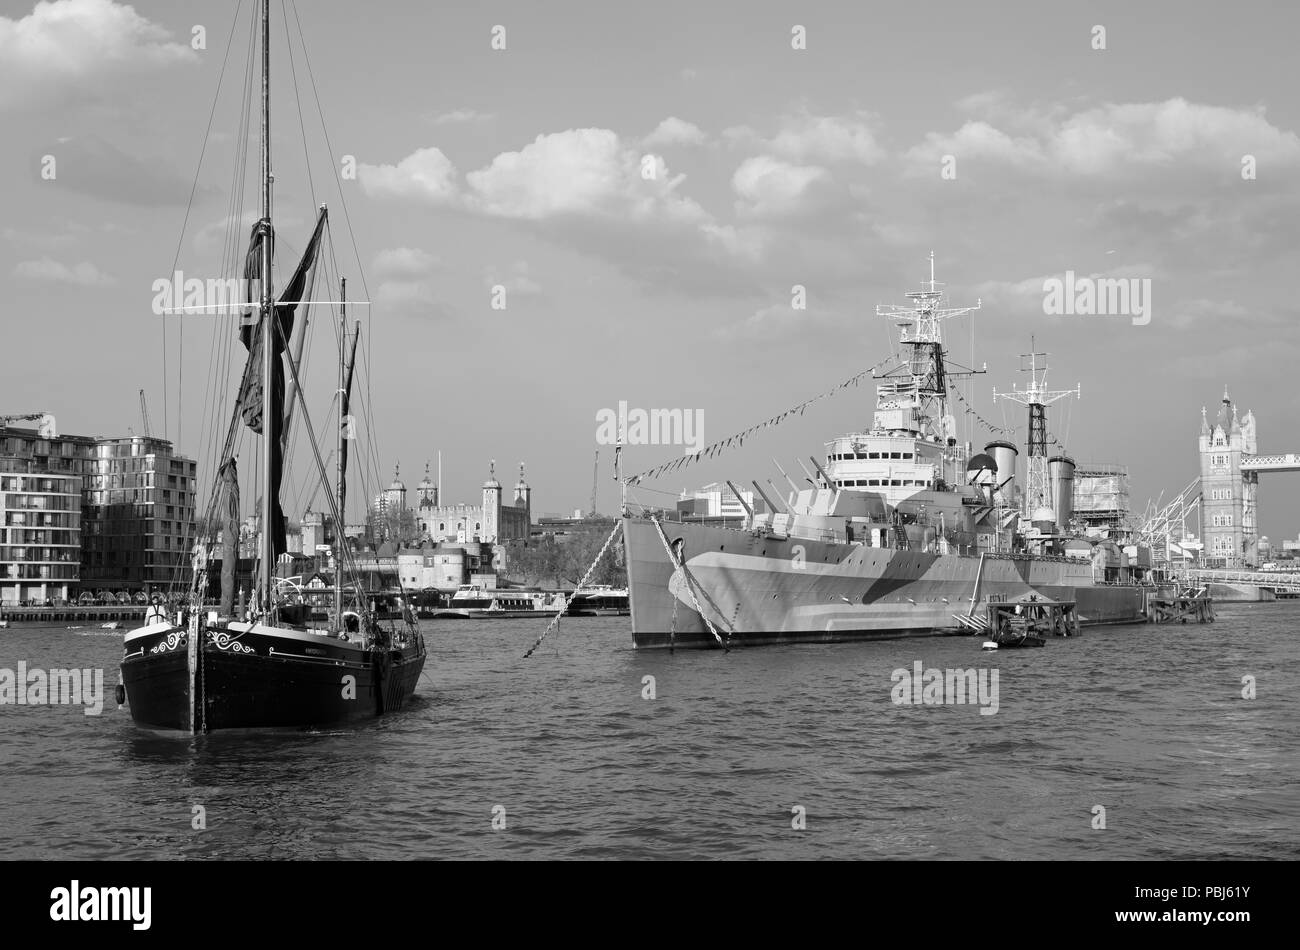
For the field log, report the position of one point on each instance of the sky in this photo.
(649, 184)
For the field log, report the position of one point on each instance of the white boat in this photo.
(601, 600)
(474, 602)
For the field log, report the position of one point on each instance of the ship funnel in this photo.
(982, 470)
(1060, 480)
(1004, 454)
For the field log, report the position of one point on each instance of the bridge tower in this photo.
(1229, 520)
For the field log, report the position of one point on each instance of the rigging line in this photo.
(211, 411)
(180, 240)
(230, 242)
(180, 384)
(660, 491)
(320, 465)
(293, 72)
(724, 444)
(347, 218)
(212, 407)
(232, 434)
(309, 294)
(368, 417)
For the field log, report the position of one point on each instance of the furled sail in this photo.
(228, 479)
(250, 394)
(345, 414)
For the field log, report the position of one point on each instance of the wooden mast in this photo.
(338, 452)
(268, 322)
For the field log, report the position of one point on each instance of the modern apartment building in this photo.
(40, 539)
(136, 506)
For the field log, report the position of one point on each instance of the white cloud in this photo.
(426, 175)
(34, 240)
(459, 116)
(410, 297)
(397, 262)
(1220, 314)
(586, 172)
(812, 138)
(974, 140)
(776, 322)
(590, 190)
(1026, 296)
(518, 282)
(102, 170)
(675, 131)
(71, 44)
(744, 244)
(578, 172)
(404, 286)
(1157, 133)
(770, 187)
(1114, 138)
(51, 271)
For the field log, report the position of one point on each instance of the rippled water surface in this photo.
(1148, 722)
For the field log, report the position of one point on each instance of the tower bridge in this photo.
(1280, 582)
(1271, 463)
(1229, 487)
(1221, 502)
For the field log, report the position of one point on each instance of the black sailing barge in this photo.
(206, 667)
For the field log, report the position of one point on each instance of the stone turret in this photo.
(491, 505)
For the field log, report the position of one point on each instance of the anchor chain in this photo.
(581, 584)
(691, 584)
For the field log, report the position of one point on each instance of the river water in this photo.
(568, 753)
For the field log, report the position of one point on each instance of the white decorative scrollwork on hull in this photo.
(224, 641)
(174, 640)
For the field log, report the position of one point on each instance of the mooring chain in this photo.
(690, 584)
(581, 584)
(728, 625)
(672, 627)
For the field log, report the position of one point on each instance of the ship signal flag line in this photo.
(738, 439)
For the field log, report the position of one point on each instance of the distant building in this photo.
(392, 500)
(717, 500)
(137, 504)
(40, 535)
(443, 568)
(492, 522)
(318, 532)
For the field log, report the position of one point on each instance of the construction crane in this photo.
(144, 416)
(1165, 529)
(46, 427)
(595, 471)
